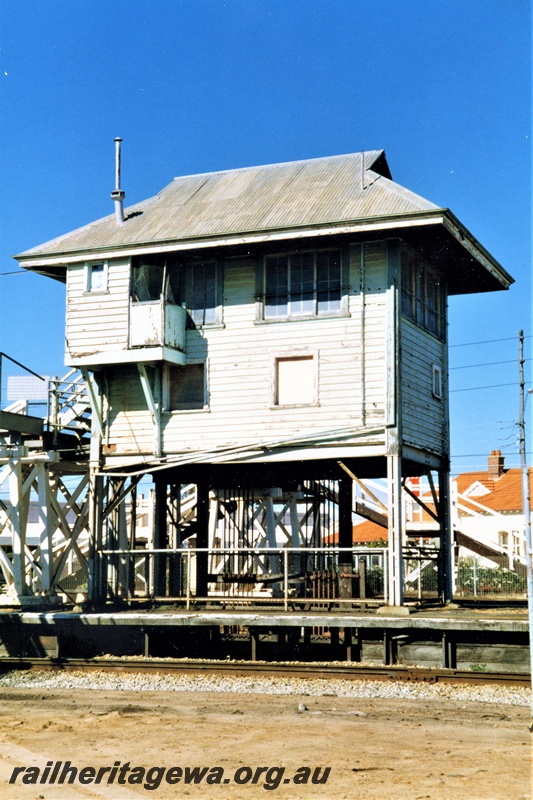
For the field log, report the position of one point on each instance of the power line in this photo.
(15, 272)
(488, 341)
(483, 455)
(476, 388)
(488, 364)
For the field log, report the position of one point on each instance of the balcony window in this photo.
(197, 285)
(201, 292)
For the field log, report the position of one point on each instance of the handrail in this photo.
(22, 366)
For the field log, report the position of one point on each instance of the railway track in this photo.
(263, 669)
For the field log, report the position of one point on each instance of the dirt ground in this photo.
(379, 749)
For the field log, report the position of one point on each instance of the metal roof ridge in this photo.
(405, 193)
(281, 164)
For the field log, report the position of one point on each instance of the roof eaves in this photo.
(476, 249)
(435, 216)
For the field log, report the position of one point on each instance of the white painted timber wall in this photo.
(97, 322)
(240, 362)
(130, 428)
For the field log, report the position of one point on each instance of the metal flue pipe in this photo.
(117, 195)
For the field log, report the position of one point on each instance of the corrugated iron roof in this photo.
(320, 191)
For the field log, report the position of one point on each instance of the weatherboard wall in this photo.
(350, 354)
(97, 322)
(424, 415)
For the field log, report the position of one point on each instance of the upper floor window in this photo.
(201, 292)
(423, 295)
(96, 277)
(302, 285)
(195, 284)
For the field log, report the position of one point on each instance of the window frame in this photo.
(307, 354)
(167, 372)
(186, 268)
(437, 388)
(293, 316)
(177, 287)
(89, 270)
(423, 294)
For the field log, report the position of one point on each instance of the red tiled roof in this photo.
(467, 479)
(505, 493)
(368, 531)
(363, 533)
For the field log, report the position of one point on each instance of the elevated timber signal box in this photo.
(265, 344)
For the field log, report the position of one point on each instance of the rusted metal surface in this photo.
(300, 670)
(274, 196)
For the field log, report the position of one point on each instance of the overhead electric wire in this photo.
(492, 386)
(488, 364)
(488, 341)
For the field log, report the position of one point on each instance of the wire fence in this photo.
(283, 576)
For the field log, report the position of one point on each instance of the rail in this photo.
(272, 669)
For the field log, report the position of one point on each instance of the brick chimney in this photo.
(496, 464)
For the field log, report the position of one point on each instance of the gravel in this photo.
(137, 682)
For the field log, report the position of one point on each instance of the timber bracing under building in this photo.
(265, 344)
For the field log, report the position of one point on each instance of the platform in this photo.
(487, 640)
(420, 620)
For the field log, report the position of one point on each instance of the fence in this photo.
(284, 575)
(478, 578)
(280, 576)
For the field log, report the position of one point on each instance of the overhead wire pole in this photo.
(526, 501)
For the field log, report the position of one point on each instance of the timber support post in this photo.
(345, 537)
(160, 535)
(202, 538)
(446, 544)
(395, 530)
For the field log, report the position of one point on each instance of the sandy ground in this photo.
(379, 749)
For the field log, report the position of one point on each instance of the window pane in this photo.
(276, 287)
(328, 282)
(97, 278)
(423, 299)
(201, 292)
(295, 381)
(186, 387)
(147, 282)
(302, 280)
(408, 286)
(173, 289)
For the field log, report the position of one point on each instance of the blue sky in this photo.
(198, 85)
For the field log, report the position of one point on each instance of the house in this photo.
(488, 507)
(262, 330)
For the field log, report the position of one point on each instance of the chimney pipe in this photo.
(118, 195)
